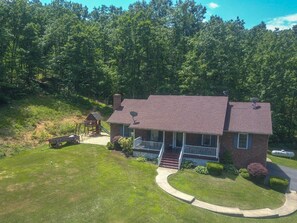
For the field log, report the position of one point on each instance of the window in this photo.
(242, 142)
(126, 131)
(206, 140)
(154, 135)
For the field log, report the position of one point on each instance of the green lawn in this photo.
(284, 161)
(87, 183)
(226, 190)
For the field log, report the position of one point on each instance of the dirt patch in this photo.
(23, 205)
(13, 187)
(40, 134)
(75, 197)
(72, 171)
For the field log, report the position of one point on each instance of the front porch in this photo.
(173, 147)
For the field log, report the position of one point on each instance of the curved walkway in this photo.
(289, 207)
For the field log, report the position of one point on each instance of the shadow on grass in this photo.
(275, 171)
(64, 145)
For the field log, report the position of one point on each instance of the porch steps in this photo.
(170, 160)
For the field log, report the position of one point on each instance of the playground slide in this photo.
(104, 130)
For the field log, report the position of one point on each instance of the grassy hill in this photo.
(31, 121)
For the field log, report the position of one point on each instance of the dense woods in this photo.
(154, 47)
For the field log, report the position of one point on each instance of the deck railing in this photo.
(147, 145)
(161, 154)
(180, 159)
(201, 150)
(137, 142)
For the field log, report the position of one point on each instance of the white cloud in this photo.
(284, 22)
(213, 5)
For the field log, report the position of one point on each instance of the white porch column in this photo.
(184, 139)
(134, 137)
(218, 146)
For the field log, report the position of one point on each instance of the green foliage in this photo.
(187, 164)
(231, 169)
(116, 143)
(215, 169)
(126, 145)
(141, 159)
(244, 173)
(279, 184)
(226, 158)
(257, 172)
(110, 146)
(2, 154)
(201, 170)
(150, 48)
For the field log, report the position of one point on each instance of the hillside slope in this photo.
(31, 121)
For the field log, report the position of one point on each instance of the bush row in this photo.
(123, 144)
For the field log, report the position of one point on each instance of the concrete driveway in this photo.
(285, 172)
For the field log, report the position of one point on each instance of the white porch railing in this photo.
(137, 142)
(201, 150)
(146, 145)
(161, 154)
(180, 159)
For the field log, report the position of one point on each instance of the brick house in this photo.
(197, 128)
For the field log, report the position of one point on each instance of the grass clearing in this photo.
(226, 190)
(284, 161)
(88, 183)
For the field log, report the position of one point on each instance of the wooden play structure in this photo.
(91, 125)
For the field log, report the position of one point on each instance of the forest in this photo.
(153, 47)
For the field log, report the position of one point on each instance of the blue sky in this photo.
(275, 13)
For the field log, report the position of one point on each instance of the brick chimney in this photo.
(117, 100)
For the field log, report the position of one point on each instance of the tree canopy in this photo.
(154, 47)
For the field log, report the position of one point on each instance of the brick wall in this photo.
(142, 133)
(117, 100)
(243, 157)
(192, 139)
(114, 130)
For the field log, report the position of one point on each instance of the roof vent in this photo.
(254, 102)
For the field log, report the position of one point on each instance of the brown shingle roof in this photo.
(122, 116)
(192, 114)
(195, 114)
(241, 117)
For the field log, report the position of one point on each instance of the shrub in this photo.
(110, 146)
(141, 159)
(2, 154)
(244, 173)
(126, 145)
(230, 168)
(116, 144)
(187, 164)
(257, 172)
(215, 168)
(279, 184)
(201, 170)
(226, 158)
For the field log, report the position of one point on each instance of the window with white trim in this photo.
(242, 141)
